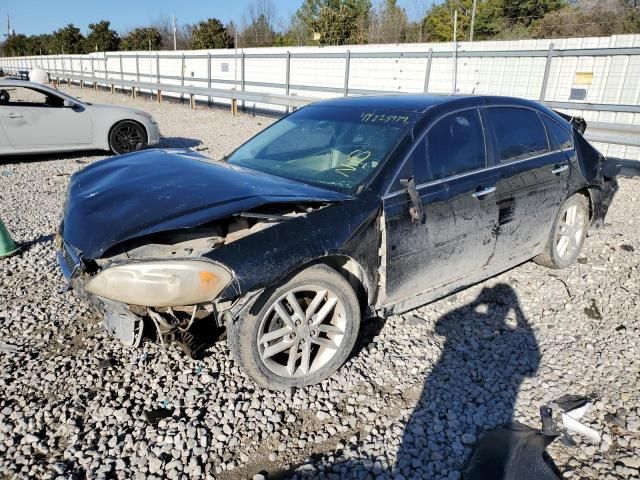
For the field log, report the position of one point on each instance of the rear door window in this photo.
(455, 144)
(519, 133)
(559, 137)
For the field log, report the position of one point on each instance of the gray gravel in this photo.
(409, 404)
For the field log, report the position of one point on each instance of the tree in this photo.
(101, 38)
(164, 24)
(142, 38)
(17, 45)
(438, 22)
(259, 28)
(336, 22)
(527, 11)
(339, 27)
(388, 23)
(588, 19)
(259, 33)
(68, 40)
(210, 34)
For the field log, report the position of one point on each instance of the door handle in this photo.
(560, 169)
(484, 192)
(14, 115)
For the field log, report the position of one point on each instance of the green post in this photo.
(7, 245)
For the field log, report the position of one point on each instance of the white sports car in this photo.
(35, 118)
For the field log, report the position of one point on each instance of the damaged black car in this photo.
(341, 211)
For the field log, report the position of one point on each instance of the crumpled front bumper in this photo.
(118, 319)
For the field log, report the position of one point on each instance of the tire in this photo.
(127, 136)
(326, 343)
(567, 235)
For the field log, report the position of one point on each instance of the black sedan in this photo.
(344, 209)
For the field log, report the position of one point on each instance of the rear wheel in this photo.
(298, 333)
(127, 136)
(568, 233)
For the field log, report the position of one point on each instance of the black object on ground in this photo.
(107, 362)
(571, 402)
(154, 415)
(515, 452)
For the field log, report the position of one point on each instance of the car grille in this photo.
(69, 262)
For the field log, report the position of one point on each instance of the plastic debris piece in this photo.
(515, 451)
(580, 412)
(575, 426)
(570, 402)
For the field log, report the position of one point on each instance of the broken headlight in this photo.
(161, 284)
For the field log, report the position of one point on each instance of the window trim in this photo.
(421, 137)
(570, 133)
(497, 160)
(44, 92)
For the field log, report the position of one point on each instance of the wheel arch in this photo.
(348, 268)
(586, 192)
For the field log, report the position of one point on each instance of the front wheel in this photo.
(568, 233)
(299, 333)
(126, 137)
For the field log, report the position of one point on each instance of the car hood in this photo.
(122, 109)
(137, 194)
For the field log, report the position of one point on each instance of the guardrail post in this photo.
(347, 66)
(159, 94)
(138, 67)
(288, 75)
(427, 73)
(182, 67)
(547, 68)
(455, 66)
(93, 75)
(208, 76)
(121, 70)
(242, 80)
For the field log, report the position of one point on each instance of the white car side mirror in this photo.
(68, 104)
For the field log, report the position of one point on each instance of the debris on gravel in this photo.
(411, 402)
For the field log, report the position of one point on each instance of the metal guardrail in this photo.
(64, 66)
(601, 132)
(628, 135)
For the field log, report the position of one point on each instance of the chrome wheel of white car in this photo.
(299, 332)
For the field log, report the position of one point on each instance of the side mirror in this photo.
(68, 104)
(416, 211)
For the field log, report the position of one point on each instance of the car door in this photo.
(37, 119)
(454, 236)
(533, 180)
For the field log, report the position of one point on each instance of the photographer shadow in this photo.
(488, 351)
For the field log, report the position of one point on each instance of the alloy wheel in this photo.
(570, 231)
(128, 138)
(301, 331)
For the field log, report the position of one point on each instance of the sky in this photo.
(44, 16)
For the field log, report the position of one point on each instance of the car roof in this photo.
(14, 82)
(422, 102)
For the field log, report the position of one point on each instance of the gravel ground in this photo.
(410, 403)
